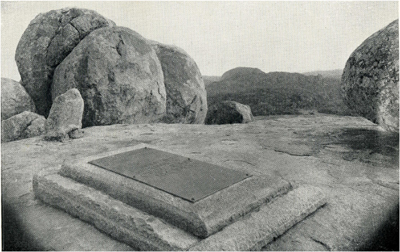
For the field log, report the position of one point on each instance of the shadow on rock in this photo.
(387, 237)
(14, 238)
(365, 145)
(385, 143)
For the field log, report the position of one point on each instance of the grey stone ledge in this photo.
(202, 218)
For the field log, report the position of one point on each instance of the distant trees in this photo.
(280, 93)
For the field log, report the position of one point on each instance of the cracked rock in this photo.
(24, 125)
(294, 149)
(118, 75)
(186, 94)
(49, 38)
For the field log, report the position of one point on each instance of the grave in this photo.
(188, 179)
(153, 199)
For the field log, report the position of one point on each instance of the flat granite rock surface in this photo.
(349, 159)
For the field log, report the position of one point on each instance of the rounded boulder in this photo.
(186, 94)
(118, 75)
(228, 112)
(65, 115)
(49, 38)
(14, 99)
(24, 125)
(370, 80)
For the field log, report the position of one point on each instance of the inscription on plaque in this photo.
(186, 178)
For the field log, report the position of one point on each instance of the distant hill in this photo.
(329, 73)
(277, 93)
(210, 79)
(242, 72)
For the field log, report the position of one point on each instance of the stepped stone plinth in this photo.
(153, 199)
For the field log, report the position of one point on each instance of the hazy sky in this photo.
(272, 36)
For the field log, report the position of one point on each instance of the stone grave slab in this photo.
(122, 222)
(202, 217)
(145, 232)
(180, 176)
(264, 226)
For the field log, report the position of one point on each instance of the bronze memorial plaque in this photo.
(186, 178)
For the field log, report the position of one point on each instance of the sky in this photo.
(272, 36)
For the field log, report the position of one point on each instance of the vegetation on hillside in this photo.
(210, 79)
(278, 93)
(337, 73)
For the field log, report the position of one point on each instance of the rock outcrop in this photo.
(65, 116)
(186, 94)
(49, 38)
(24, 125)
(118, 75)
(370, 80)
(228, 112)
(14, 99)
(121, 76)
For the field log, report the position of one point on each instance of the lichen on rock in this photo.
(370, 80)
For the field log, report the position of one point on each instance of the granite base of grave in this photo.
(153, 199)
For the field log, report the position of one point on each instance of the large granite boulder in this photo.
(65, 115)
(228, 112)
(118, 75)
(14, 99)
(24, 125)
(186, 94)
(370, 80)
(49, 38)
